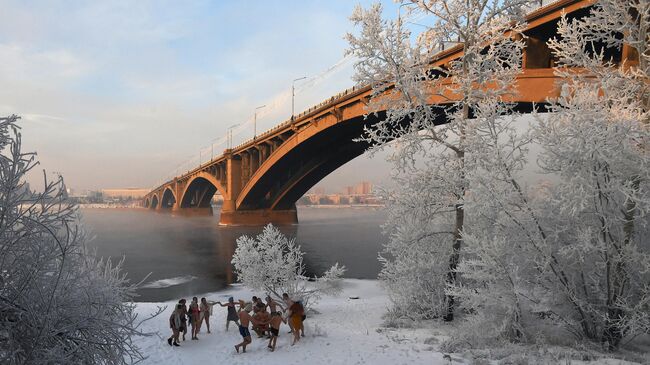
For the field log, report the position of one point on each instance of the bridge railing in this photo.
(333, 100)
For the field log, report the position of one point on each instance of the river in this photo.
(187, 256)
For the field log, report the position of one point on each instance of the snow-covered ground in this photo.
(344, 331)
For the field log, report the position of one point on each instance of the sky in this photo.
(128, 93)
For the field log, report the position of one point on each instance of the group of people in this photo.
(266, 318)
(192, 316)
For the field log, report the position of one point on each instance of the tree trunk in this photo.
(613, 332)
(454, 258)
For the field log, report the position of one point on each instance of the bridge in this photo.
(261, 179)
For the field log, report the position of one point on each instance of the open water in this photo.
(185, 256)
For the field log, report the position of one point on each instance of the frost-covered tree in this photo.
(580, 242)
(405, 84)
(271, 262)
(599, 144)
(59, 304)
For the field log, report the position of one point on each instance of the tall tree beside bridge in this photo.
(599, 143)
(426, 212)
(579, 243)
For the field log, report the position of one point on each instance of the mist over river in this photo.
(190, 255)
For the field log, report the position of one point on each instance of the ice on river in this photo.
(166, 283)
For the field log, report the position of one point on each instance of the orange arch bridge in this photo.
(261, 179)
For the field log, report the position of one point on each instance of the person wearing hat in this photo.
(244, 319)
(232, 312)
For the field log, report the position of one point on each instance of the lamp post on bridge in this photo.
(293, 94)
(229, 134)
(255, 121)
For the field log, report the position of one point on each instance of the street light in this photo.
(229, 134)
(255, 121)
(293, 94)
(399, 15)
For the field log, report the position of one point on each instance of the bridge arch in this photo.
(303, 160)
(199, 190)
(154, 201)
(146, 202)
(168, 199)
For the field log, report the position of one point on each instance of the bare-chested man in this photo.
(260, 322)
(244, 319)
(272, 304)
(275, 322)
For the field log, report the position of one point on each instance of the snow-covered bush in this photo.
(427, 212)
(414, 263)
(58, 303)
(271, 262)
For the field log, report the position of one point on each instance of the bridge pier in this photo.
(258, 217)
(193, 212)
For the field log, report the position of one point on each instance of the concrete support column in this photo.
(255, 160)
(177, 192)
(245, 168)
(264, 152)
(233, 184)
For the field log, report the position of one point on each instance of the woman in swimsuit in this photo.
(195, 316)
(206, 312)
(232, 312)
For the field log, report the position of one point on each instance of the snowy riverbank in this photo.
(344, 331)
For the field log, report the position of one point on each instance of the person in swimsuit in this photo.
(261, 326)
(232, 312)
(244, 319)
(275, 322)
(287, 304)
(254, 301)
(260, 304)
(206, 311)
(296, 311)
(195, 317)
(271, 304)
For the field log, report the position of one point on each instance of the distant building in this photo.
(364, 188)
(130, 193)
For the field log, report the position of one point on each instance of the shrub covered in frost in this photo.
(271, 262)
